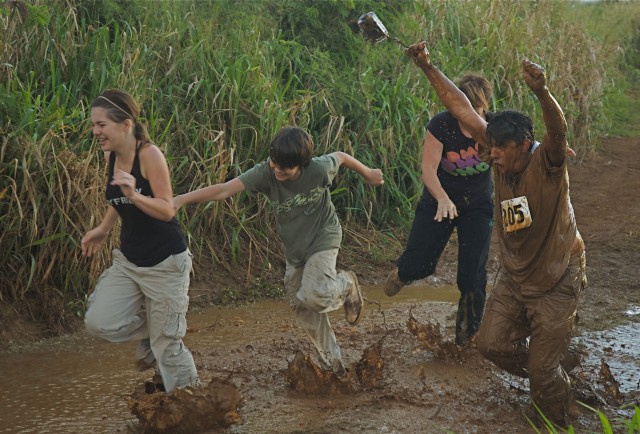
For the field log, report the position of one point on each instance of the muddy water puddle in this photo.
(76, 384)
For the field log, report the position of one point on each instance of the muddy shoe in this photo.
(339, 369)
(393, 284)
(354, 303)
(156, 384)
(144, 356)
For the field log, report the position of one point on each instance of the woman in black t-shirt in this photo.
(457, 194)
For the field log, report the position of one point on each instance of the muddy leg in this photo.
(503, 333)
(315, 289)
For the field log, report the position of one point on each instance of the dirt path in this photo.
(421, 391)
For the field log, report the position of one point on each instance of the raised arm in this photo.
(213, 192)
(371, 176)
(554, 142)
(453, 99)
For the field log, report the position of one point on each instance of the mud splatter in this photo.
(369, 369)
(430, 337)
(188, 410)
(307, 377)
(610, 386)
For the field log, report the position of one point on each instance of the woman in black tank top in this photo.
(143, 295)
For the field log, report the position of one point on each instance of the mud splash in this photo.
(187, 410)
(307, 377)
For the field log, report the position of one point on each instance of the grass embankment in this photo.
(217, 79)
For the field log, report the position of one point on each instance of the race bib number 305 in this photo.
(515, 214)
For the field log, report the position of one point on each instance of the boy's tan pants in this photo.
(314, 289)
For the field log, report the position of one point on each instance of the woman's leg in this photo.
(426, 242)
(115, 311)
(474, 228)
(165, 287)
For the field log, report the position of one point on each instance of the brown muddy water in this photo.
(75, 384)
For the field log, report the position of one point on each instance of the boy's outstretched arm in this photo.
(451, 97)
(554, 141)
(213, 192)
(371, 176)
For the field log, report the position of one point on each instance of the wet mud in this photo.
(405, 374)
(187, 410)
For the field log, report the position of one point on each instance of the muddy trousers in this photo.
(547, 319)
(314, 289)
(132, 303)
(428, 239)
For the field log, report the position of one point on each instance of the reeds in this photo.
(216, 82)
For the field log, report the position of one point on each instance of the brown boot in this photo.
(354, 303)
(393, 284)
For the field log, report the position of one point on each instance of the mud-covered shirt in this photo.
(463, 175)
(305, 216)
(144, 240)
(535, 257)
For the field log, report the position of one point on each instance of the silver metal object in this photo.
(374, 30)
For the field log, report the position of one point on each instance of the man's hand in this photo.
(534, 75)
(419, 53)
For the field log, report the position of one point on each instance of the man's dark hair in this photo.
(291, 147)
(509, 125)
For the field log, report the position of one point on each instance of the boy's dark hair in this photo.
(509, 125)
(291, 147)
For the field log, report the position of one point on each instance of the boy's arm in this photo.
(371, 176)
(554, 142)
(453, 99)
(213, 192)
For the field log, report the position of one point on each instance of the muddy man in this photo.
(541, 251)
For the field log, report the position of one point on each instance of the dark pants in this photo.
(427, 241)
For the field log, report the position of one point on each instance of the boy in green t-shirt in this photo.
(297, 185)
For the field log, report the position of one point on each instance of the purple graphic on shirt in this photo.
(465, 163)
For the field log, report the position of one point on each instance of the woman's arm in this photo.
(431, 156)
(154, 168)
(94, 237)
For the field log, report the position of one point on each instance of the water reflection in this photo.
(620, 347)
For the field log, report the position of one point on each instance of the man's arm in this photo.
(453, 99)
(554, 142)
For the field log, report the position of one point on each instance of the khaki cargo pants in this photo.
(548, 318)
(314, 289)
(132, 303)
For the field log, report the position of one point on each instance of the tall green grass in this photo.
(216, 80)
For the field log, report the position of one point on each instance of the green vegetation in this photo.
(617, 424)
(217, 79)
